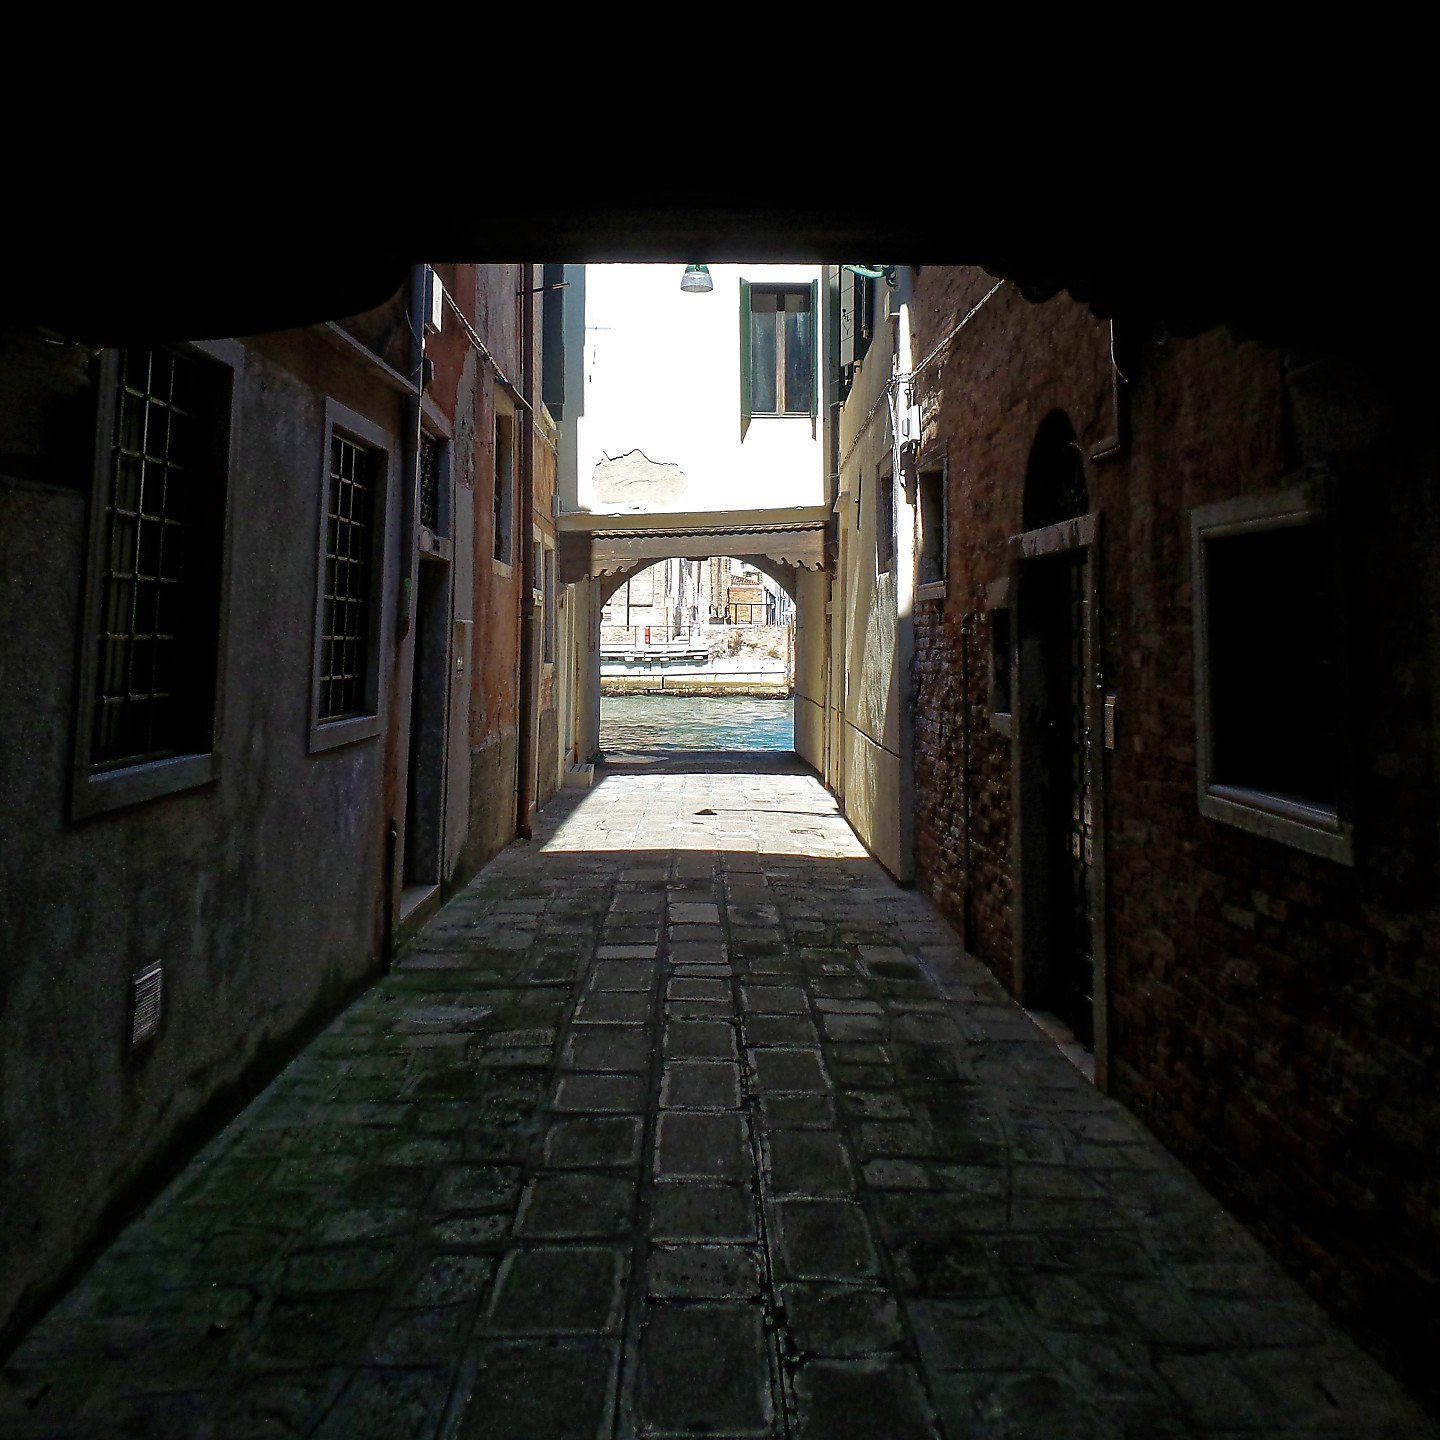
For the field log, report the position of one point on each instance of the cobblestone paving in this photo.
(685, 1120)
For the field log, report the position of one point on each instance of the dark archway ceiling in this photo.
(1305, 251)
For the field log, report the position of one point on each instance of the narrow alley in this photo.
(684, 1119)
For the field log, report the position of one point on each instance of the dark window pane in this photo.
(762, 359)
(348, 575)
(1274, 694)
(127, 483)
(152, 491)
(146, 600)
(147, 560)
(1000, 660)
(172, 550)
(168, 685)
(118, 611)
(122, 545)
(799, 366)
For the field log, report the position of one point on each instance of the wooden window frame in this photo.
(777, 287)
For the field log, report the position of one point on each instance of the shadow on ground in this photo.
(683, 1119)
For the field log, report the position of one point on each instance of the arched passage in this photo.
(782, 575)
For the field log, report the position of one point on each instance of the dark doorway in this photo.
(425, 780)
(1059, 833)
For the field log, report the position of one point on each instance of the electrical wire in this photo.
(893, 384)
(970, 314)
(481, 346)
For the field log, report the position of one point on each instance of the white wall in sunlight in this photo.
(659, 423)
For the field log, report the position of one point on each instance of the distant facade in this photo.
(264, 704)
(692, 437)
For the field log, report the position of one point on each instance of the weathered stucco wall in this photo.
(812, 589)
(495, 664)
(866, 637)
(260, 893)
(547, 747)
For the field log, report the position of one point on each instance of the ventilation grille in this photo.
(145, 1005)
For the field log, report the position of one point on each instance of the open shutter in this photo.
(745, 391)
(814, 349)
(847, 318)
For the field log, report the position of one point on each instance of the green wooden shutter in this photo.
(814, 349)
(745, 386)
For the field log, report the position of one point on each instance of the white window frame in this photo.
(97, 791)
(362, 431)
(1314, 829)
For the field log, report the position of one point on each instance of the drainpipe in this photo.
(405, 619)
(525, 748)
(967, 904)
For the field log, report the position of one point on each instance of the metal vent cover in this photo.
(145, 996)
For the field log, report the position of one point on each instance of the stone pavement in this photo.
(684, 1119)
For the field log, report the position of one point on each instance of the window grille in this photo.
(431, 450)
(349, 565)
(504, 486)
(156, 656)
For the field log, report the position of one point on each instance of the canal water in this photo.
(703, 722)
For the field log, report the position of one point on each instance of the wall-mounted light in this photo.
(874, 272)
(696, 280)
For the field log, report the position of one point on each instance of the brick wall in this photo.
(1275, 1016)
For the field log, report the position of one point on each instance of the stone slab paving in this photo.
(684, 1120)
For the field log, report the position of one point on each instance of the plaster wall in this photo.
(812, 590)
(866, 637)
(262, 893)
(495, 644)
(547, 748)
(661, 377)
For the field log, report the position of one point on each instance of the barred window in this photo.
(149, 677)
(504, 488)
(349, 565)
(155, 667)
(431, 456)
(351, 621)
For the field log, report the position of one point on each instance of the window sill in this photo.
(932, 590)
(502, 567)
(116, 789)
(331, 734)
(1289, 822)
(780, 415)
(1000, 722)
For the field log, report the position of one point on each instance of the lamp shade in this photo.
(696, 280)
